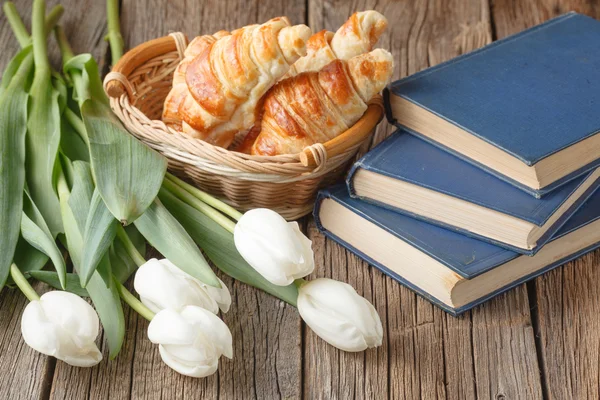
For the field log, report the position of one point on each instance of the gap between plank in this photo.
(535, 322)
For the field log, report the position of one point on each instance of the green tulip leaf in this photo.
(51, 278)
(35, 231)
(105, 298)
(71, 144)
(220, 248)
(13, 129)
(128, 173)
(100, 231)
(122, 265)
(170, 238)
(42, 142)
(81, 195)
(28, 258)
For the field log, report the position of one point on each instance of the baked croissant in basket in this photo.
(226, 80)
(314, 107)
(358, 35)
(179, 90)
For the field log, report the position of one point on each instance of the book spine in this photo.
(565, 217)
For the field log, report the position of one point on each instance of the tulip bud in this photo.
(273, 247)
(62, 325)
(339, 315)
(191, 340)
(161, 285)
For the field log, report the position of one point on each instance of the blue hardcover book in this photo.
(454, 271)
(411, 176)
(524, 108)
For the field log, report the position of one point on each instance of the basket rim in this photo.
(314, 160)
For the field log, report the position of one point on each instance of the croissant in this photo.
(179, 90)
(226, 81)
(314, 107)
(358, 35)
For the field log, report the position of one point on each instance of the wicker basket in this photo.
(288, 184)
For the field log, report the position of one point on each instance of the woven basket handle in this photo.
(352, 137)
(116, 82)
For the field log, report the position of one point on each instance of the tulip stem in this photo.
(133, 301)
(23, 284)
(135, 255)
(299, 282)
(18, 27)
(206, 198)
(114, 30)
(16, 23)
(199, 205)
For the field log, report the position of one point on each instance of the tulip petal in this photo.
(39, 333)
(277, 249)
(161, 285)
(213, 327)
(88, 357)
(169, 327)
(71, 313)
(332, 327)
(339, 315)
(64, 326)
(193, 370)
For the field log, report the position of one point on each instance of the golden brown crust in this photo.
(179, 91)
(204, 87)
(357, 36)
(314, 107)
(227, 79)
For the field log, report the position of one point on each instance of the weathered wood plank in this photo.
(431, 355)
(266, 332)
(569, 323)
(26, 374)
(567, 298)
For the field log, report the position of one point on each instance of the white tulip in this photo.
(161, 285)
(339, 315)
(62, 325)
(274, 247)
(191, 340)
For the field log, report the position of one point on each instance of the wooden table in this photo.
(539, 340)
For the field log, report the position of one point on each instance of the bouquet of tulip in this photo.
(77, 186)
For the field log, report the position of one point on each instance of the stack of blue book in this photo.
(491, 177)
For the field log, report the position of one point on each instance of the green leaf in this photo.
(105, 298)
(122, 265)
(71, 144)
(37, 234)
(100, 231)
(136, 238)
(42, 142)
(13, 66)
(81, 195)
(220, 248)
(28, 258)
(167, 235)
(13, 128)
(128, 173)
(110, 310)
(51, 278)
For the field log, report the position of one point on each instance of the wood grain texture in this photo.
(430, 355)
(26, 374)
(489, 352)
(568, 307)
(266, 332)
